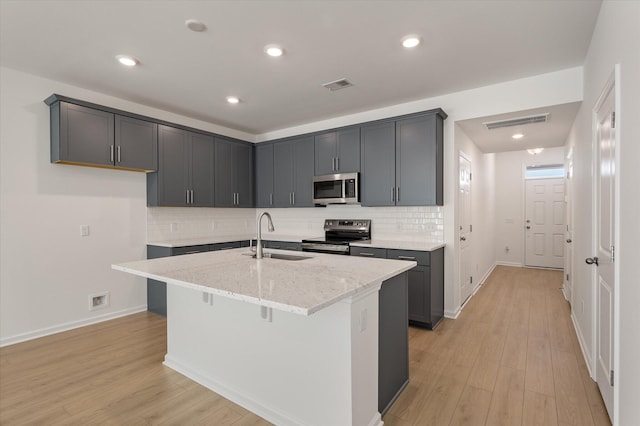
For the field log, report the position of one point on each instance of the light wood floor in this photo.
(511, 358)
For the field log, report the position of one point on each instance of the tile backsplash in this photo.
(389, 223)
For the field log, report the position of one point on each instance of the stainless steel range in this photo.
(338, 233)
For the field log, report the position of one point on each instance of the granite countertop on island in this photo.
(301, 286)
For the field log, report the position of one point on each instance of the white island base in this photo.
(288, 368)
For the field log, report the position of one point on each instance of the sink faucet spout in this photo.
(259, 232)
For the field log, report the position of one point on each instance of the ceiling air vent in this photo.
(338, 84)
(540, 118)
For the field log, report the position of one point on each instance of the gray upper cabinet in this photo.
(88, 136)
(264, 175)
(234, 174)
(377, 182)
(419, 159)
(185, 174)
(293, 168)
(136, 143)
(337, 152)
(402, 161)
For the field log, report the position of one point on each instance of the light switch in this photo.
(84, 230)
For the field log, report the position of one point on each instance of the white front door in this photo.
(464, 211)
(605, 212)
(544, 223)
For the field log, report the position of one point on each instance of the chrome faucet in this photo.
(259, 233)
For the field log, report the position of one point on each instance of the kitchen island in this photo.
(294, 341)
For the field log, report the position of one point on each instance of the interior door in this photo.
(464, 211)
(568, 254)
(605, 243)
(544, 223)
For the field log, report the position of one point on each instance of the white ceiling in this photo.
(466, 44)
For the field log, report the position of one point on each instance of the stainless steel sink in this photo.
(280, 256)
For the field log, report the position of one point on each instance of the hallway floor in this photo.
(511, 358)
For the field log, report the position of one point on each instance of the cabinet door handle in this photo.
(337, 163)
(393, 194)
(398, 189)
(118, 151)
(364, 253)
(225, 248)
(187, 191)
(271, 199)
(111, 147)
(192, 252)
(237, 199)
(191, 196)
(293, 194)
(406, 257)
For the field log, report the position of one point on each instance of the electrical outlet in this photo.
(213, 225)
(98, 301)
(174, 227)
(363, 320)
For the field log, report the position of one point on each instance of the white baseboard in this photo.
(585, 354)
(12, 340)
(452, 314)
(516, 264)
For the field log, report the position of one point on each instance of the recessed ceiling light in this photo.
(233, 99)
(518, 136)
(128, 61)
(195, 25)
(274, 50)
(410, 41)
(535, 151)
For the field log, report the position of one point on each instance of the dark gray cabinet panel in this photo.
(185, 175)
(303, 163)
(233, 174)
(225, 246)
(92, 137)
(283, 245)
(377, 150)
(293, 165)
(264, 175)
(136, 143)
(419, 161)
(393, 341)
(419, 295)
(85, 135)
(337, 152)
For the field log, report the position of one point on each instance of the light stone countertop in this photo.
(267, 236)
(302, 286)
(400, 245)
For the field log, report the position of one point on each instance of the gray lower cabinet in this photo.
(293, 169)
(233, 174)
(264, 175)
(426, 286)
(393, 341)
(92, 137)
(157, 290)
(426, 281)
(185, 176)
(337, 152)
(402, 161)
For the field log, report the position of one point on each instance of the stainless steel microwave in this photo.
(336, 189)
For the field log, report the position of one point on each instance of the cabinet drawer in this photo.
(177, 251)
(224, 246)
(422, 257)
(380, 253)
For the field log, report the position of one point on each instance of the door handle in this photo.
(569, 240)
(528, 227)
(463, 238)
(591, 260)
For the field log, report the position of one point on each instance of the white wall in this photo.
(616, 40)
(47, 271)
(482, 207)
(510, 198)
(542, 90)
